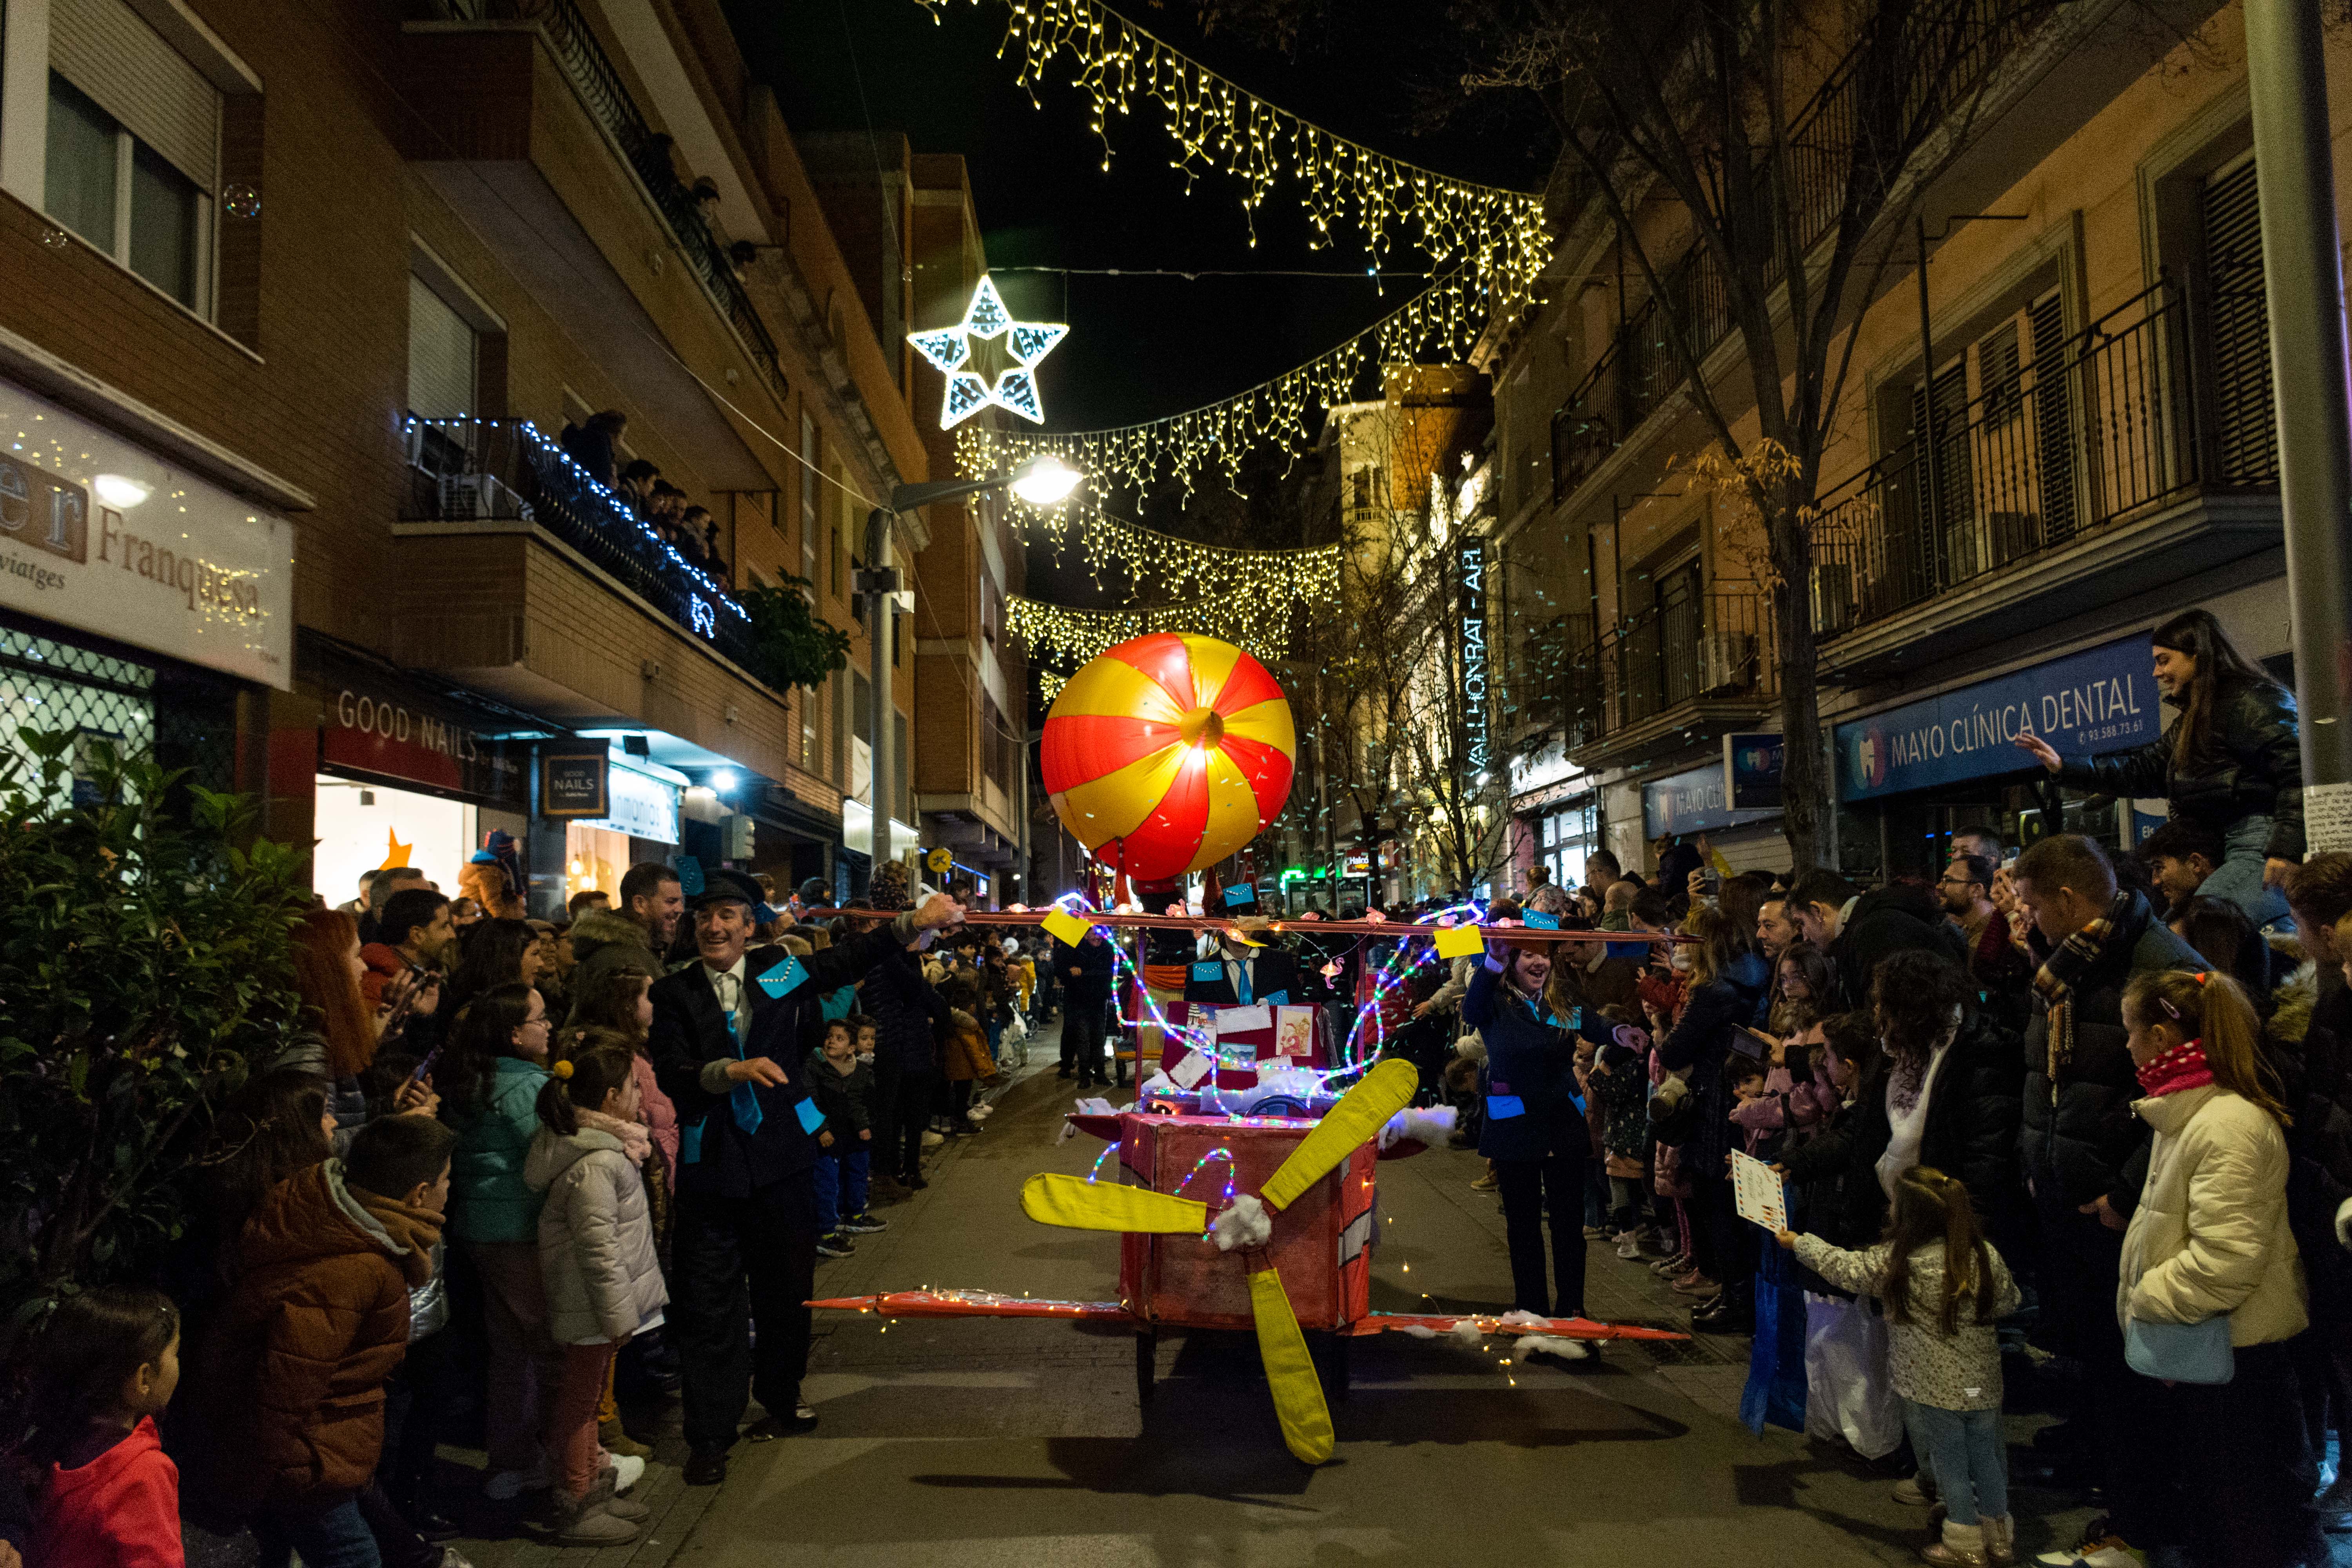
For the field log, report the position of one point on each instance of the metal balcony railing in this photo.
(474, 470)
(1640, 369)
(2111, 426)
(601, 89)
(1710, 646)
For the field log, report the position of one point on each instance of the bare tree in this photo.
(1755, 158)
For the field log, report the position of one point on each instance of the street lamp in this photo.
(1041, 481)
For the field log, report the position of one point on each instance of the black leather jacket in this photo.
(2253, 767)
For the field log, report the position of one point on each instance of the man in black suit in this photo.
(1245, 971)
(730, 1035)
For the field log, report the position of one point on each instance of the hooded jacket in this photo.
(606, 939)
(488, 1198)
(2253, 767)
(486, 880)
(289, 1391)
(122, 1509)
(846, 1097)
(596, 1237)
(1531, 1110)
(2209, 1234)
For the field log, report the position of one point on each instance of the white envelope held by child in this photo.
(1759, 1191)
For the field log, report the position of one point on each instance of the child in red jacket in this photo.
(105, 1367)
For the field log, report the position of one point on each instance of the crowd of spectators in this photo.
(660, 506)
(508, 1180)
(2056, 1103)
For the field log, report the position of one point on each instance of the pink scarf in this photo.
(2183, 1067)
(635, 1141)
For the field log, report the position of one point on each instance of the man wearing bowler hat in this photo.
(729, 1033)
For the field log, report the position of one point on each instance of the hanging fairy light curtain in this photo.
(1444, 317)
(1059, 630)
(1499, 235)
(1273, 579)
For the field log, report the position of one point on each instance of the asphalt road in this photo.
(981, 1442)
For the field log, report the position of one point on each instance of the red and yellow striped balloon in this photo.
(1168, 753)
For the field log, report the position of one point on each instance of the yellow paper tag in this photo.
(1460, 941)
(1065, 927)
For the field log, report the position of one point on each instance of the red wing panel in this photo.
(973, 1304)
(1558, 1327)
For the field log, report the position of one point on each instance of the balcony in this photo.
(1640, 370)
(2130, 461)
(528, 131)
(1701, 663)
(493, 471)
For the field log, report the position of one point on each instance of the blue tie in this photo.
(744, 1099)
(1241, 981)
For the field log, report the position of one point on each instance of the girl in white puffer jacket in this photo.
(603, 1279)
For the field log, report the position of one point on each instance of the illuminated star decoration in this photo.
(949, 349)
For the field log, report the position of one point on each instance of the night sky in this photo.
(1139, 348)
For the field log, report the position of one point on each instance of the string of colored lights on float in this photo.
(1444, 321)
(1216, 125)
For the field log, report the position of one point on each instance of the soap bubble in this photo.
(56, 239)
(241, 200)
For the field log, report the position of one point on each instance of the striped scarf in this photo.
(2064, 970)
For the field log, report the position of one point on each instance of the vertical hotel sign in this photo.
(1477, 739)
(98, 534)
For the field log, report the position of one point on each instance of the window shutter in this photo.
(440, 356)
(2245, 425)
(124, 64)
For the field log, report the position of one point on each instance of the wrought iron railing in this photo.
(1640, 369)
(607, 97)
(475, 470)
(2107, 428)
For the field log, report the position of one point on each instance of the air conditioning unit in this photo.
(1832, 599)
(465, 497)
(1726, 661)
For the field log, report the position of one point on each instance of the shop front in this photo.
(1699, 800)
(398, 773)
(138, 602)
(1911, 776)
(1556, 819)
(642, 817)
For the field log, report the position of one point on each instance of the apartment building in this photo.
(1390, 684)
(322, 285)
(969, 680)
(2094, 368)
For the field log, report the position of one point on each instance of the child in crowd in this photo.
(1621, 1090)
(287, 1390)
(1746, 1076)
(1943, 1286)
(102, 1370)
(604, 1282)
(2225, 1469)
(843, 1085)
(864, 1027)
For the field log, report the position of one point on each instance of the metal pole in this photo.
(1933, 512)
(2304, 286)
(883, 795)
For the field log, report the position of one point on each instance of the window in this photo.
(123, 196)
(808, 497)
(134, 132)
(2245, 434)
(441, 356)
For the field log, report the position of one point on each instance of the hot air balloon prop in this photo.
(1168, 753)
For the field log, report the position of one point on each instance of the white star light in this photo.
(949, 349)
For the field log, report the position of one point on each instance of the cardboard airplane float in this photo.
(1297, 1207)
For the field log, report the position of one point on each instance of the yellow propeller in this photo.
(1379, 1095)
(1290, 1375)
(1080, 1204)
